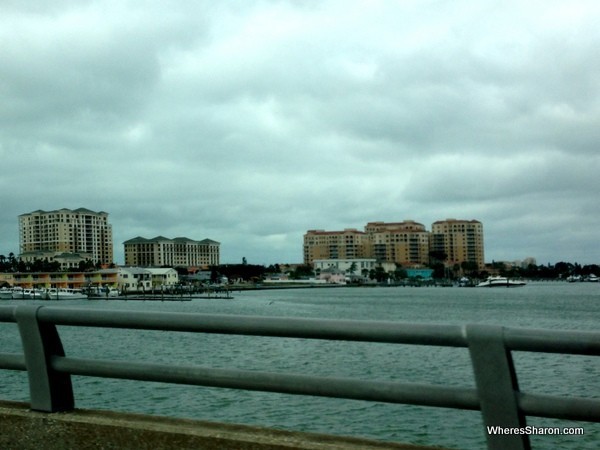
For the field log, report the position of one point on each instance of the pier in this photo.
(496, 393)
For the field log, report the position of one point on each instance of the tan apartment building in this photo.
(177, 252)
(66, 231)
(405, 243)
(321, 244)
(460, 240)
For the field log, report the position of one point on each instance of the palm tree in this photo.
(12, 261)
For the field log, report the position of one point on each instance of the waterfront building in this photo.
(333, 276)
(7, 279)
(399, 244)
(460, 240)
(135, 279)
(163, 276)
(349, 266)
(346, 244)
(66, 231)
(404, 243)
(66, 261)
(70, 280)
(422, 273)
(177, 252)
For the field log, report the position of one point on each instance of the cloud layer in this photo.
(252, 122)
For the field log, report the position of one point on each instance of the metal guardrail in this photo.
(496, 395)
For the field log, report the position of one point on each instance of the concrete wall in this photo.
(22, 429)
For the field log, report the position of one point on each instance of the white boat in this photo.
(501, 282)
(96, 292)
(465, 282)
(37, 294)
(5, 293)
(28, 294)
(64, 294)
(18, 293)
(592, 278)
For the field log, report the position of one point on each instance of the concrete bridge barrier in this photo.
(23, 429)
(51, 421)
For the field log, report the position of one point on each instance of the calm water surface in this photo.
(542, 305)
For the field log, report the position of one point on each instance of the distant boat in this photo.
(5, 293)
(501, 282)
(465, 282)
(592, 278)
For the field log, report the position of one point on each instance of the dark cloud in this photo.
(251, 123)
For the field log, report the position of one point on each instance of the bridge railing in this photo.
(496, 393)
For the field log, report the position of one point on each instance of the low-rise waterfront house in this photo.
(333, 276)
(135, 279)
(423, 273)
(66, 261)
(163, 276)
(349, 266)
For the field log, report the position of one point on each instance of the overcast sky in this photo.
(251, 122)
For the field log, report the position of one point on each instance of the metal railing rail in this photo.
(496, 394)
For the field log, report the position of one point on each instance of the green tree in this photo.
(352, 268)
(302, 271)
(400, 273)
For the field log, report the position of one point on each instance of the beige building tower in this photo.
(321, 244)
(66, 231)
(177, 252)
(405, 243)
(460, 240)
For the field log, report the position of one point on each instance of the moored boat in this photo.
(18, 293)
(64, 294)
(6, 293)
(501, 282)
(96, 292)
(37, 294)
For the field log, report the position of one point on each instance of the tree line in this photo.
(254, 272)
(560, 270)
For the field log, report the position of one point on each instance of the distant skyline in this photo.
(250, 123)
(120, 258)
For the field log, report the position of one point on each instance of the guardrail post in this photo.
(49, 391)
(496, 382)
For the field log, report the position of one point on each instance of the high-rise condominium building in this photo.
(321, 244)
(405, 243)
(67, 231)
(177, 252)
(460, 240)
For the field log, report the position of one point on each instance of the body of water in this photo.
(538, 305)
